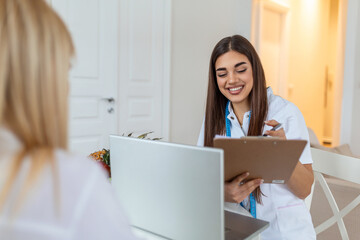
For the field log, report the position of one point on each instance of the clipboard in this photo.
(271, 159)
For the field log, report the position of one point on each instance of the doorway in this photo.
(298, 43)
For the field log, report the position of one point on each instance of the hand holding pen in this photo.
(276, 131)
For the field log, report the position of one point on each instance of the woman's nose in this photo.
(232, 78)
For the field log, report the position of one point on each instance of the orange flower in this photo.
(103, 158)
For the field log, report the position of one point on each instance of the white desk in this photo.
(146, 235)
(149, 236)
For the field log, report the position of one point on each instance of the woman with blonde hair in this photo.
(45, 192)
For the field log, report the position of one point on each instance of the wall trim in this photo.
(167, 70)
(349, 71)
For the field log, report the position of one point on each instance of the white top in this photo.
(88, 207)
(288, 216)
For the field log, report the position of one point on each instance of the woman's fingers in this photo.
(250, 186)
(239, 179)
(247, 188)
(231, 188)
(272, 123)
(237, 190)
(279, 133)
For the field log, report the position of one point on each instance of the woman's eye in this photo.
(222, 75)
(240, 71)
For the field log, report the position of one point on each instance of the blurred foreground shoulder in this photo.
(98, 214)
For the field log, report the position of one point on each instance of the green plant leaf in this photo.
(106, 157)
(142, 136)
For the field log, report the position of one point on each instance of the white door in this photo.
(93, 95)
(271, 41)
(144, 67)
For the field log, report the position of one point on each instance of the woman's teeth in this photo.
(235, 89)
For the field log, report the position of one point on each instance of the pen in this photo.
(275, 128)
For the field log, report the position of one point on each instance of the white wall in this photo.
(196, 27)
(355, 126)
(350, 117)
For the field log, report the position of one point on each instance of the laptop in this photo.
(174, 191)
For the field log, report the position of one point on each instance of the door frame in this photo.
(258, 7)
(348, 70)
(167, 71)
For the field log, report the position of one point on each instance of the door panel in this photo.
(93, 77)
(142, 86)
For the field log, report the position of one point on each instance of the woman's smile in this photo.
(235, 90)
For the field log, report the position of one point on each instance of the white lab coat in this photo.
(288, 216)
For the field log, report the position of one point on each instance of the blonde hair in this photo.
(35, 53)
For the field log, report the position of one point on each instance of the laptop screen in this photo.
(172, 190)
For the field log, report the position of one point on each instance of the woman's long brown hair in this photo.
(216, 101)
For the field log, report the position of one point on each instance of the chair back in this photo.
(339, 166)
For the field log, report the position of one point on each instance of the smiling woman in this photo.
(238, 105)
(234, 64)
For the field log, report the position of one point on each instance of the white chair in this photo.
(339, 166)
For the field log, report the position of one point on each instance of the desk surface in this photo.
(142, 234)
(244, 228)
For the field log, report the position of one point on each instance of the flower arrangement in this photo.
(103, 156)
